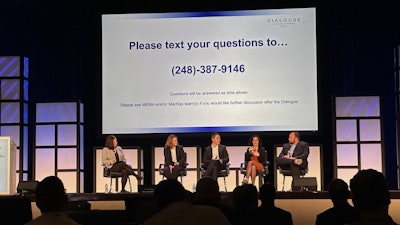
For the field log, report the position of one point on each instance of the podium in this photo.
(7, 166)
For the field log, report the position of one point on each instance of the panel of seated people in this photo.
(194, 154)
(192, 168)
(132, 158)
(236, 157)
(314, 169)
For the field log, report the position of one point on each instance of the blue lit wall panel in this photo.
(66, 158)
(25, 116)
(26, 67)
(26, 86)
(346, 130)
(67, 134)
(25, 149)
(81, 113)
(13, 132)
(10, 89)
(10, 112)
(370, 130)
(82, 153)
(9, 66)
(357, 106)
(45, 135)
(56, 112)
(45, 163)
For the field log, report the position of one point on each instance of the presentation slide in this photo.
(225, 71)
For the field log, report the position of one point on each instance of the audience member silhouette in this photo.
(272, 214)
(207, 192)
(341, 212)
(245, 200)
(175, 207)
(52, 201)
(371, 198)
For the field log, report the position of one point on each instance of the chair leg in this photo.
(181, 180)
(283, 185)
(260, 181)
(109, 190)
(130, 185)
(225, 185)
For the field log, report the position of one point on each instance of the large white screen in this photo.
(220, 71)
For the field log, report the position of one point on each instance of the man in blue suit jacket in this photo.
(294, 155)
(215, 156)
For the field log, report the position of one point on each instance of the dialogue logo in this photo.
(285, 20)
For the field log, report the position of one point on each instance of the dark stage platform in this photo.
(134, 208)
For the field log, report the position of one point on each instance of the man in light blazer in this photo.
(215, 156)
(294, 155)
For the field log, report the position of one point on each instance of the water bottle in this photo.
(194, 188)
(106, 188)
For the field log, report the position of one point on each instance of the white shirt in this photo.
(215, 154)
(173, 154)
(290, 152)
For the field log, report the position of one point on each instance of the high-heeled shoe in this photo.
(139, 178)
(245, 181)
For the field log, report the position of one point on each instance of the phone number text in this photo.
(177, 70)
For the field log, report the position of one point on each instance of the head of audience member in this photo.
(338, 191)
(50, 195)
(169, 191)
(172, 141)
(369, 191)
(207, 192)
(245, 197)
(267, 194)
(255, 140)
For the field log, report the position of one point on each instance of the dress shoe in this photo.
(124, 191)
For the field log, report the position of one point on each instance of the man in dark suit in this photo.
(215, 156)
(294, 155)
(174, 158)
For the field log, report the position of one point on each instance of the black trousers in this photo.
(213, 167)
(175, 172)
(285, 163)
